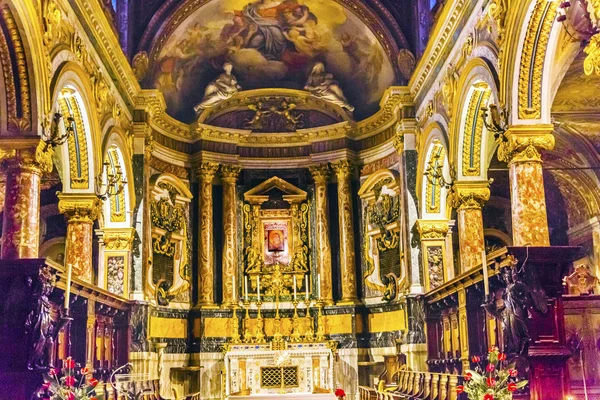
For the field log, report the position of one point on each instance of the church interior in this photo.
(300, 199)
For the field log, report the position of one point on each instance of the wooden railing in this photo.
(415, 385)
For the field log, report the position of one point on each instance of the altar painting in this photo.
(271, 43)
(276, 242)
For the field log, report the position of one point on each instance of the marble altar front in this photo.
(296, 371)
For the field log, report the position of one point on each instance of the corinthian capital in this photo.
(206, 171)
(79, 207)
(320, 173)
(31, 154)
(469, 195)
(229, 173)
(430, 229)
(343, 169)
(523, 143)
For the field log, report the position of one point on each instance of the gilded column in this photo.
(463, 328)
(229, 175)
(24, 163)
(468, 198)
(343, 171)
(81, 210)
(206, 174)
(433, 249)
(527, 195)
(320, 175)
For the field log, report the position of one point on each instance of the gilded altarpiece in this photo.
(382, 236)
(276, 237)
(169, 273)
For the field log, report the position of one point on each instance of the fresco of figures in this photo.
(271, 43)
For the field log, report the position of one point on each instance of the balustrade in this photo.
(415, 385)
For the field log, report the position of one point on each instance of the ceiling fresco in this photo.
(271, 44)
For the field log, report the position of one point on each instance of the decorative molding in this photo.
(116, 239)
(83, 208)
(469, 195)
(77, 143)
(433, 229)
(472, 135)
(521, 143)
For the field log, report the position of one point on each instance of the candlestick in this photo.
(306, 286)
(319, 286)
(68, 286)
(486, 282)
(246, 288)
(294, 287)
(258, 286)
(233, 287)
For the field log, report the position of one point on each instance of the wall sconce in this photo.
(495, 120)
(52, 136)
(114, 184)
(434, 172)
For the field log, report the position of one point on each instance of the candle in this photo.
(306, 286)
(319, 286)
(68, 286)
(294, 287)
(233, 287)
(486, 282)
(258, 286)
(246, 288)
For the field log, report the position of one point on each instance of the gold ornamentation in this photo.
(433, 190)
(449, 89)
(26, 154)
(118, 239)
(117, 202)
(532, 59)
(399, 141)
(521, 143)
(466, 195)
(474, 130)
(140, 64)
(78, 153)
(229, 174)
(582, 279)
(206, 173)
(497, 11)
(18, 97)
(52, 17)
(591, 64)
(435, 266)
(429, 229)
(83, 208)
(320, 173)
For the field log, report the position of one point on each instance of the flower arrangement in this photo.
(492, 382)
(69, 384)
(340, 394)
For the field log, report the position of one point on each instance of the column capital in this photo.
(522, 143)
(399, 141)
(320, 173)
(469, 195)
(79, 207)
(343, 169)
(31, 154)
(206, 171)
(118, 238)
(433, 229)
(229, 173)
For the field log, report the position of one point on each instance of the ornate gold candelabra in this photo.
(320, 322)
(310, 332)
(260, 332)
(295, 336)
(235, 321)
(247, 333)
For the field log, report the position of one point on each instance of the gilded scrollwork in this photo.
(206, 173)
(77, 143)
(474, 130)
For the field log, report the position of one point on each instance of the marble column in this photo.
(206, 173)
(229, 175)
(527, 195)
(81, 210)
(433, 235)
(469, 197)
(24, 162)
(320, 174)
(343, 171)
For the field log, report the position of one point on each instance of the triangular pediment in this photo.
(259, 194)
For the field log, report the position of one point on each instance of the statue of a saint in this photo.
(222, 88)
(322, 85)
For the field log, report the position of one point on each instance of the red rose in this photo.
(490, 367)
(69, 363)
(488, 396)
(512, 387)
(492, 349)
(53, 372)
(502, 356)
(46, 385)
(94, 382)
(468, 376)
(460, 389)
(476, 359)
(513, 373)
(491, 382)
(71, 396)
(84, 371)
(70, 381)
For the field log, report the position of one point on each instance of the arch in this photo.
(174, 181)
(471, 147)
(431, 193)
(117, 210)
(391, 177)
(78, 158)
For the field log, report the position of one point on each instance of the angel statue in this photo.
(222, 88)
(322, 85)
(518, 298)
